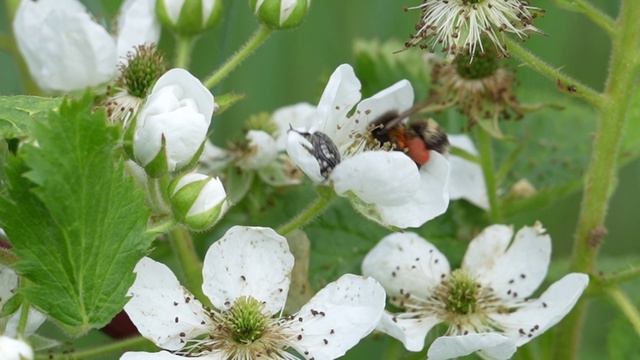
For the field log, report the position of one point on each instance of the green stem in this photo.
(485, 149)
(601, 174)
(594, 14)
(189, 261)
(161, 228)
(184, 46)
(255, 41)
(7, 258)
(24, 318)
(136, 343)
(564, 82)
(626, 307)
(314, 209)
(621, 276)
(462, 153)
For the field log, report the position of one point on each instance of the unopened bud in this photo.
(198, 201)
(189, 17)
(280, 14)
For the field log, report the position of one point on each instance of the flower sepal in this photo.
(198, 201)
(190, 19)
(280, 14)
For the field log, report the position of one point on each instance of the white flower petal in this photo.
(338, 317)
(340, 95)
(137, 25)
(262, 150)
(410, 331)
(299, 116)
(431, 199)
(162, 309)
(392, 100)
(405, 263)
(248, 261)
(180, 110)
(163, 355)
(486, 249)
(34, 321)
(12, 349)
(467, 180)
(493, 345)
(8, 284)
(377, 177)
(522, 268)
(537, 316)
(298, 150)
(64, 48)
(213, 158)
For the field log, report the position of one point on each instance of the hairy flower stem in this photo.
(314, 209)
(601, 175)
(184, 45)
(488, 170)
(632, 273)
(190, 263)
(564, 82)
(135, 343)
(255, 41)
(622, 301)
(24, 318)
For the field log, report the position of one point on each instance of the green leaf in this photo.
(75, 219)
(17, 113)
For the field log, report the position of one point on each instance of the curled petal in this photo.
(162, 310)
(410, 329)
(248, 261)
(406, 264)
(337, 317)
(431, 199)
(378, 178)
(64, 48)
(536, 316)
(299, 150)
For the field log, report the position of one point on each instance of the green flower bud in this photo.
(189, 17)
(280, 14)
(198, 201)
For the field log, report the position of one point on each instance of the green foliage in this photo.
(380, 65)
(622, 341)
(17, 113)
(74, 218)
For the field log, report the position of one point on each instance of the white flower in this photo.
(246, 277)
(337, 147)
(460, 25)
(198, 200)
(66, 50)
(485, 303)
(261, 150)
(467, 179)
(172, 126)
(12, 349)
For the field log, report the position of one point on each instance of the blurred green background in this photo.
(294, 65)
